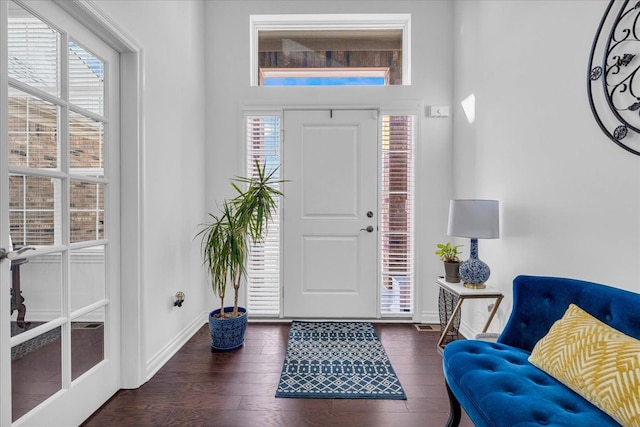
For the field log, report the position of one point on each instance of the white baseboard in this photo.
(433, 318)
(168, 351)
(430, 317)
(467, 331)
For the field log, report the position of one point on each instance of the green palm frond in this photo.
(257, 204)
(225, 239)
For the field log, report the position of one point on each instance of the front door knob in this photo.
(369, 229)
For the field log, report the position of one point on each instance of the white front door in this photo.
(330, 214)
(59, 198)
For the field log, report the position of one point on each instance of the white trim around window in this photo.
(374, 21)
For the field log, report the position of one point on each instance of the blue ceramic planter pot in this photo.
(227, 334)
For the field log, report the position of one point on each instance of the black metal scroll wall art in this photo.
(613, 83)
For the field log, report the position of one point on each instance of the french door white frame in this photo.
(131, 348)
(134, 370)
(102, 380)
(5, 334)
(132, 136)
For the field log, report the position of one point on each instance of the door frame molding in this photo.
(133, 369)
(396, 107)
(357, 21)
(5, 334)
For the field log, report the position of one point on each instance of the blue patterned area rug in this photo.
(337, 360)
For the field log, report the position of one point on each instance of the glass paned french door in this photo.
(60, 152)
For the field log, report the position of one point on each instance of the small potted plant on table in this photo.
(447, 300)
(449, 255)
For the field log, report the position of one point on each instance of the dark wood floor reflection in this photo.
(36, 367)
(200, 388)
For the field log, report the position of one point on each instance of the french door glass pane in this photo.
(36, 291)
(86, 210)
(36, 371)
(41, 286)
(87, 342)
(33, 131)
(87, 276)
(32, 51)
(34, 210)
(86, 145)
(86, 79)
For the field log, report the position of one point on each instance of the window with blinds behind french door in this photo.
(397, 207)
(263, 137)
(263, 270)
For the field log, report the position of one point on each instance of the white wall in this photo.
(171, 34)
(228, 93)
(570, 197)
(196, 84)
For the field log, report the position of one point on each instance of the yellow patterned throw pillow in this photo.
(596, 361)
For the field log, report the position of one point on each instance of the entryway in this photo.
(347, 218)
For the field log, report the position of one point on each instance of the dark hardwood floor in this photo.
(200, 388)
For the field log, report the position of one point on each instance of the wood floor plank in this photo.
(200, 388)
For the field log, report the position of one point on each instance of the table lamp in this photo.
(476, 219)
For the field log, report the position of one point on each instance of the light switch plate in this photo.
(437, 111)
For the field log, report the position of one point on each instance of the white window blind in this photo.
(397, 197)
(86, 79)
(263, 270)
(38, 137)
(33, 51)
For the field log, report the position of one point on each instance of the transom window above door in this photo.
(330, 50)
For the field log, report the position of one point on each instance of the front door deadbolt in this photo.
(369, 214)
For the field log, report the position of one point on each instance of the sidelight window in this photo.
(263, 270)
(397, 228)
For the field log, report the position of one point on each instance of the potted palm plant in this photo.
(226, 241)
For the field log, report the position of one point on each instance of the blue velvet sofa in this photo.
(495, 383)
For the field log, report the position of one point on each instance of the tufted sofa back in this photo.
(539, 301)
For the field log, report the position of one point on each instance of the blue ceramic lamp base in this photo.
(473, 272)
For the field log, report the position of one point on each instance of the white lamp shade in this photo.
(476, 219)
